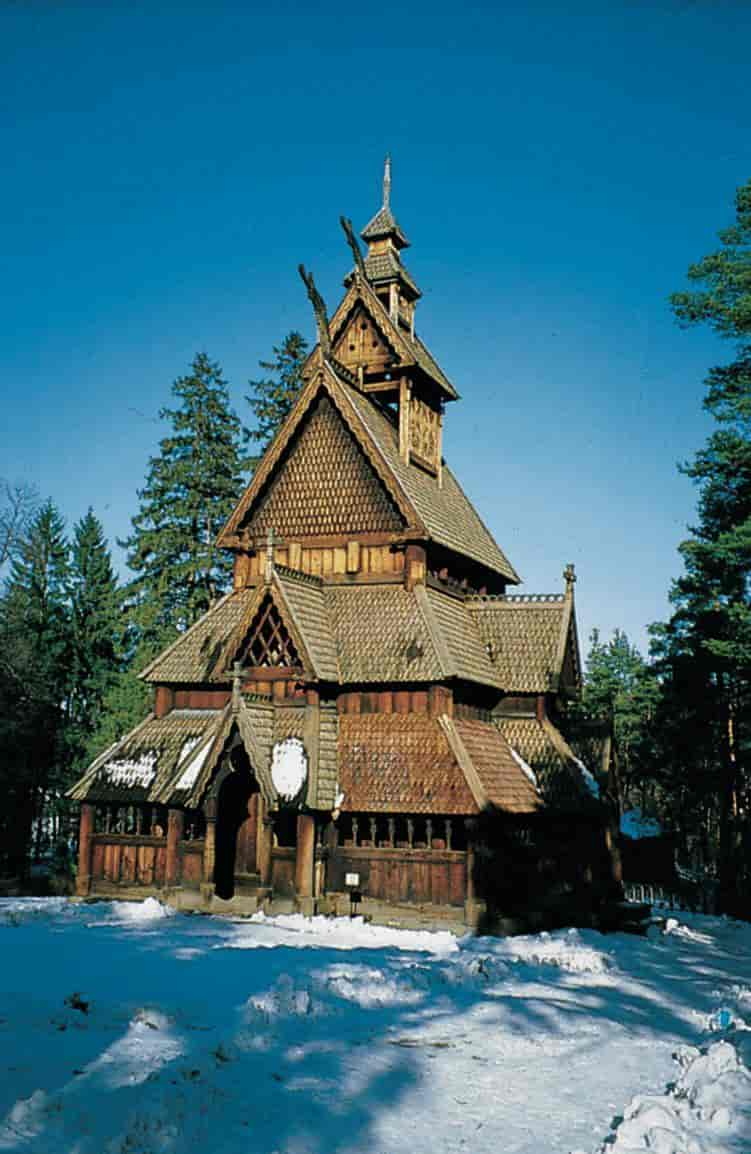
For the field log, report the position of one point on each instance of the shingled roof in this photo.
(414, 763)
(383, 224)
(495, 775)
(441, 512)
(564, 783)
(444, 510)
(380, 633)
(530, 640)
(141, 764)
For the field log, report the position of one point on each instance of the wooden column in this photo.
(175, 823)
(306, 841)
(163, 700)
(85, 834)
(209, 844)
(415, 566)
(264, 841)
(470, 897)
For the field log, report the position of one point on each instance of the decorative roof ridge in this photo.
(464, 761)
(516, 598)
(442, 651)
(258, 756)
(297, 575)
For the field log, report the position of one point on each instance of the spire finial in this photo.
(569, 576)
(387, 181)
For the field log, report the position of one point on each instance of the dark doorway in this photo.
(236, 831)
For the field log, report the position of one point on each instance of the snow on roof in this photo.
(526, 769)
(193, 765)
(589, 778)
(131, 771)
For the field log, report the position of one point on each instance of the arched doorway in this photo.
(235, 862)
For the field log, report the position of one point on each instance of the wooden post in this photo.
(470, 910)
(306, 838)
(163, 700)
(264, 842)
(175, 822)
(415, 566)
(209, 844)
(85, 834)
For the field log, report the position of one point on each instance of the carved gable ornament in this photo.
(424, 434)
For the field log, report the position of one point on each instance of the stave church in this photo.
(370, 719)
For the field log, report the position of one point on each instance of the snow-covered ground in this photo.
(128, 1029)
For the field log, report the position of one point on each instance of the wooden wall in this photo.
(345, 557)
(130, 860)
(400, 875)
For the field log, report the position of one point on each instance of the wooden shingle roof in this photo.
(496, 778)
(448, 516)
(554, 763)
(198, 655)
(399, 763)
(381, 635)
(530, 640)
(414, 763)
(141, 764)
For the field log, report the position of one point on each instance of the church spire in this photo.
(383, 263)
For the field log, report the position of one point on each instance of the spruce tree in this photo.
(96, 625)
(713, 597)
(35, 643)
(273, 395)
(191, 488)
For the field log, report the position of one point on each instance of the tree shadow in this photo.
(209, 1035)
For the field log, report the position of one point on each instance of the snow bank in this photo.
(708, 1111)
(351, 933)
(565, 949)
(131, 913)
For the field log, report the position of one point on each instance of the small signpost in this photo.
(352, 882)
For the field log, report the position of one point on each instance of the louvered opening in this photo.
(268, 644)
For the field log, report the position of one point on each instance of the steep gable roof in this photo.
(323, 484)
(325, 382)
(444, 509)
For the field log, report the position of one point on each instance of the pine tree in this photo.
(272, 397)
(713, 597)
(35, 643)
(96, 624)
(190, 490)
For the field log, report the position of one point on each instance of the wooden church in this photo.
(369, 714)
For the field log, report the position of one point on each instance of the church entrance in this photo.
(235, 863)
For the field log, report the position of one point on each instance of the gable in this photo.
(267, 643)
(323, 484)
(362, 345)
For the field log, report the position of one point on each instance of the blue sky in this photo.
(556, 167)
